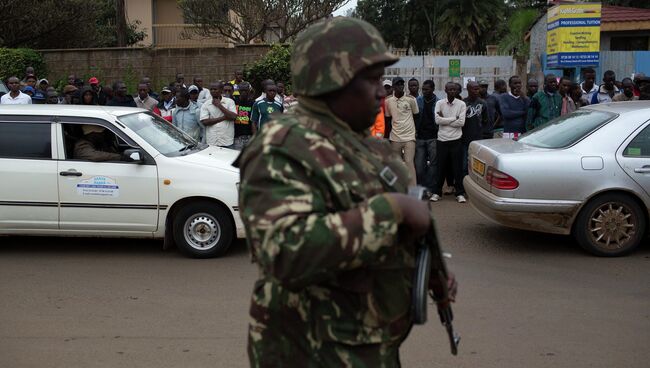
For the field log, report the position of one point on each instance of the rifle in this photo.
(431, 258)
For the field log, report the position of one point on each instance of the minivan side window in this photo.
(640, 145)
(25, 140)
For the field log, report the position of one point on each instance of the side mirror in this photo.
(133, 155)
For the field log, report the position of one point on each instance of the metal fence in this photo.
(436, 67)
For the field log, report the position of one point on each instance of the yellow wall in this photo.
(167, 12)
(141, 10)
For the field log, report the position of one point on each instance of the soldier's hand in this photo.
(416, 214)
(439, 291)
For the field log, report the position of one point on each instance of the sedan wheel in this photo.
(610, 225)
(203, 230)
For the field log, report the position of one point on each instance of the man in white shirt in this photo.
(401, 108)
(15, 97)
(218, 116)
(450, 117)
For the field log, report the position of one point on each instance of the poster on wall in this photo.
(573, 35)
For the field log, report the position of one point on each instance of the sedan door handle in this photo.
(642, 170)
(70, 173)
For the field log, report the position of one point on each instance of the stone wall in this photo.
(161, 65)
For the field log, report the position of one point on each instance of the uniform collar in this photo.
(319, 107)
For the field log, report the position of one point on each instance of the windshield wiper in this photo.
(188, 147)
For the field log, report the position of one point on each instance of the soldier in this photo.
(327, 218)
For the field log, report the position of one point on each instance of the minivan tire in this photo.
(615, 216)
(203, 230)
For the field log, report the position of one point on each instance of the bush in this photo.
(274, 65)
(14, 61)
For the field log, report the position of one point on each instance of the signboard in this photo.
(573, 35)
(454, 68)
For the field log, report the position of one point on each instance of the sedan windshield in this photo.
(161, 135)
(567, 130)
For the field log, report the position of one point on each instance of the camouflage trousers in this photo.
(293, 349)
(283, 337)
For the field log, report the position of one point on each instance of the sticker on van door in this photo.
(100, 186)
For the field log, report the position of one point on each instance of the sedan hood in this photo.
(216, 157)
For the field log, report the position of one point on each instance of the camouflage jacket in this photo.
(323, 233)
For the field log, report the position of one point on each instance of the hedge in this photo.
(274, 65)
(14, 61)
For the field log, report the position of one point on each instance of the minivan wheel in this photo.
(202, 230)
(610, 225)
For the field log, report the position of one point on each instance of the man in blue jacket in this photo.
(514, 109)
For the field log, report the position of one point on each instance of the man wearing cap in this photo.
(401, 109)
(335, 275)
(167, 103)
(194, 92)
(96, 146)
(37, 95)
(98, 90)
(15, 96)
(185, 116)
(52, 98)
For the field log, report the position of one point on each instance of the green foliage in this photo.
(468, 25)
(518, 24)
(274, 65)
(14, 61)
(54, 24)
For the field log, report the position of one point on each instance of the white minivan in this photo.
(168, 186)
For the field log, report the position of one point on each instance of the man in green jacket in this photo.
(544, 105)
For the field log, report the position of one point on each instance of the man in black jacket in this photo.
(121, 98)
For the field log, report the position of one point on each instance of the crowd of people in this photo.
(225, 114)
(432, 136)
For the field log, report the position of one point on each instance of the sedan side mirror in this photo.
(133, 155)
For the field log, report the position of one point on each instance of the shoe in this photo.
(461, 199)
(434, 198)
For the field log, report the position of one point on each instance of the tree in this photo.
(274, 65)
(52, 24)
(243, 21)
(467, 25)
(518, 24)
(120, 23)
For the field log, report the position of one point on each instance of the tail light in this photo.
(500, 180)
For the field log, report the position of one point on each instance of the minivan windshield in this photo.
(161, 135)
(567, 130)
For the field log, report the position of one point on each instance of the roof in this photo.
(68, 110)
(624, 14)
(612, 18)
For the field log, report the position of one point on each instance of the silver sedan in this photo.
(585, 174)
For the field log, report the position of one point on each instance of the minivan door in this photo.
(102, 193)
(29, 197)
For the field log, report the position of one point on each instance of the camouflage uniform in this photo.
(334, 286)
